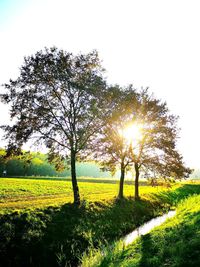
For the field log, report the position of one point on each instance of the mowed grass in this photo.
(37, 193)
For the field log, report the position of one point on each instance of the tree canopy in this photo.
(62, 100)
(57, 100)
(141, 133)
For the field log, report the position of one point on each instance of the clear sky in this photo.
(148, 43)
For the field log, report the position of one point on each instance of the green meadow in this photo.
(40, 226)
(20, 193)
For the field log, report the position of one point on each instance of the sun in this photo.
(132, 133)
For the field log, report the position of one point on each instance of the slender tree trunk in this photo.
(74, 180)
(121, 184)
(137, 174)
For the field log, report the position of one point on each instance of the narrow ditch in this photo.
(147, 227)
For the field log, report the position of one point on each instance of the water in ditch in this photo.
(147, 227)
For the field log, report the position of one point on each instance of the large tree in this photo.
(141, 133)
(112, 149)
(58, 100)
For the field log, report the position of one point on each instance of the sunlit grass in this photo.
(61, 234)
(32, 193)
(175, 243)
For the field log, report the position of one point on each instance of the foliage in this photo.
(111, 148)
(58, 100)
(154, 152)
(2, 160)
(26, 163)
(36, 164)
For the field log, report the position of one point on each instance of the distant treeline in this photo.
(36, 164)
(195, 175)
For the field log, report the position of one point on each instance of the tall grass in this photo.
(176, 243)
(59, 235)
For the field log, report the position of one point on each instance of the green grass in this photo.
(176, 243)
(33, 193)
(39, 226)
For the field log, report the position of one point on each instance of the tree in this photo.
(112, 149)
(56, 100)
(26, 159)
(142, 134)
(155, 152)
(2, 161)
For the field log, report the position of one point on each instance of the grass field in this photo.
(176, 243)
(21, 193)
(39, 225)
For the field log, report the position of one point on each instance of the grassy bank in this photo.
(176, 243)
(58, 236)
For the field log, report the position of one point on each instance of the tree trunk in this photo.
(137, 174)
(74, 180)
(121, 184)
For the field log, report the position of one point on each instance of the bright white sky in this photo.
(148, 43)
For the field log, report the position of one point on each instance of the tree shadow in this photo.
(58, 236)
(172, 197)
(177, 246)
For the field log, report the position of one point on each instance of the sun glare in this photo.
(132, 133)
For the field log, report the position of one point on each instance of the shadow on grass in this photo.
(172, 197)
(59, 236)
(178, 246)
(73, 230)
